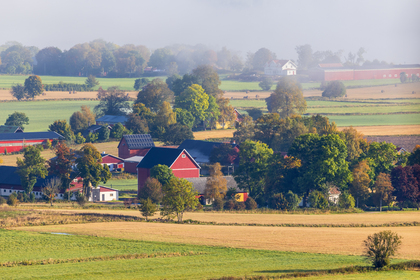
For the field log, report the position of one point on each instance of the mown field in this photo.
(127, 184)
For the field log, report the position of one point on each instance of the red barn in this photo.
(14, 142)
(114, 163)
(330, 72)
(179, 160)
(134, 145)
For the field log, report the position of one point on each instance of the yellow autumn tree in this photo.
(359, 187)
(216, 185)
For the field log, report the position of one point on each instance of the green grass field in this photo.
(201, 263)
(368, 120)
(127, 184)
(373, 109)
(43, 113)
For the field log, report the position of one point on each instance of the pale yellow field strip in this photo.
(372, 218)
(347, 241)
(387, 129)
(201, 135)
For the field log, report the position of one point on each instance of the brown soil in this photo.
(347, 241)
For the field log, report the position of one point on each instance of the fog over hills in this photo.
(388, 30)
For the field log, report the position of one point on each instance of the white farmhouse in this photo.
(280, 68)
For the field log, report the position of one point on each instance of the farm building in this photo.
(10, 129)
(93, 129)
(179, 160)
(111, 120)
(280, 68)
(10, 183)
(130, 164)
(201, 150)
(199, 185)
(14, 142)
(114, 163)
(336, 71)
(134, 145)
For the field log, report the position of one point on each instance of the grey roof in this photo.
(10, 129)
(138, 141)
(163, 156)
(30, 136)
(200, 183)
(134, 159)
(200, 150)
(111, 119)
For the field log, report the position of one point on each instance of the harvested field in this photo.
(345, 241)
(367, 218)
(406, 142)
(54, 95)
(387, 129)
(223, 133)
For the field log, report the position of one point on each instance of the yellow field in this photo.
(347, 241)
(387, 129)
(222, 133)
(5, 95)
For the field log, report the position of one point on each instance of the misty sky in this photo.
(388, 30)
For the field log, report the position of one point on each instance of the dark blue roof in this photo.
(8, 176)
(200, 150)
(138, 141)
(158, 155)
(30, 136)
(111, 119)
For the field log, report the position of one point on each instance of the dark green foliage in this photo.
(139, 83)
(381, 157)
(317, 200)
(91, 82)
(147, 208)
(255, 113)
(31, 167)
(170, 80)
(208, 79)
(103, 133)
(62, 128)
(117, 131)
(18, 91)
(381, 246)
(2, 200)
(414, 157)
(137, 124)
(224, 154)
(177, 133)
(346, 200)
(334, 89)
(266, 83)
(80, 139)
(65, 87)
(113, 101)
(290, 201)
(217, 204)
(17, 119)
(184, 117)
(179, 85)
(152, 189)
(161, 172)
(33, 86)
(250, 204)
(154, 94)
(91, 137)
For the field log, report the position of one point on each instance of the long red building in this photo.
(15, 142)
(330, 72)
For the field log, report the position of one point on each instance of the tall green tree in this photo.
(179, 196)
(19, 92)
(245, 130)
(162, 173)
(17, 119)
(177, 133)
(381, 157)
(62, 128)
(90, 168)
(91, 82)
(266, 83)
(253, 166)
(184, 117)
(62, 164)
(154, 94)
(113, 101)
(194, 100)
(33, 86)
(287, 99)
(208, 79)
(31, 167)
(359, 187)
(323, 161)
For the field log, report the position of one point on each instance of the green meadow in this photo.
(157, 261)
(127, 184)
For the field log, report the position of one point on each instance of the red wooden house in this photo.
(114, 163)
(179, 160)
(14, 142)
(134, 145)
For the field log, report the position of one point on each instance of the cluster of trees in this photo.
(32, 87)
(66, 166)
(17, 59)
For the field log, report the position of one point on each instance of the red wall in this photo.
(125, 152)
(20, 147)
(142, 175)
(183, 162)
(110, 159)
(189, 173)
(130, 167)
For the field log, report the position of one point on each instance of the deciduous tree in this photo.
(162, 173)
(194, 100)
(147, 208)
(154, 94)
(177, 133)
(359, 187)
(184, 117)
(334, 89)
(227, 112)
(33, 86)
(136, 124)
(152, 189)
(51, 189)
(261, 57)
(19, 92)
(381, 246)
(383, 190)
(406, 184)
(62, 164)
(17, 119)
(266, 83)
(179, 196)
(62, 128)
(139, 83)
(208, 79)
(113, 101)
(30, 167)
(245, 130)
(287, 99)
(216, 184)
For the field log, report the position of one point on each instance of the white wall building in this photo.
(280, 68)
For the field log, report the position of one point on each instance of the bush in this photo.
(290, 201)
(381, 246)
(32, 197)
(217, 204)
(80, 139)
(346, 200)
(239, 205)
(334, 89)
(12, 200)
(229, 205)
(2, 200)
(80, 198)
(317, 200)
(250, 204)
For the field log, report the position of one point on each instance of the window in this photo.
(10, 191)
(390, 75)
(111, 194)
(395, 75)
(384, 76)
(183, 156)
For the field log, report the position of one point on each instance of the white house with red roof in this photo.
(280, 68)
(114, 163)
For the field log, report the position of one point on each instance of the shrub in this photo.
(2, 200)
(239, 205)
(334, 89)
(32, 197)
(80, 198)
(250, 204)
(217, 204)
(290, 201)
(346, 200)
(12, 200)
(229, 205)
(80, 139)
(317, 200)
(147, 208)
(381, 246)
